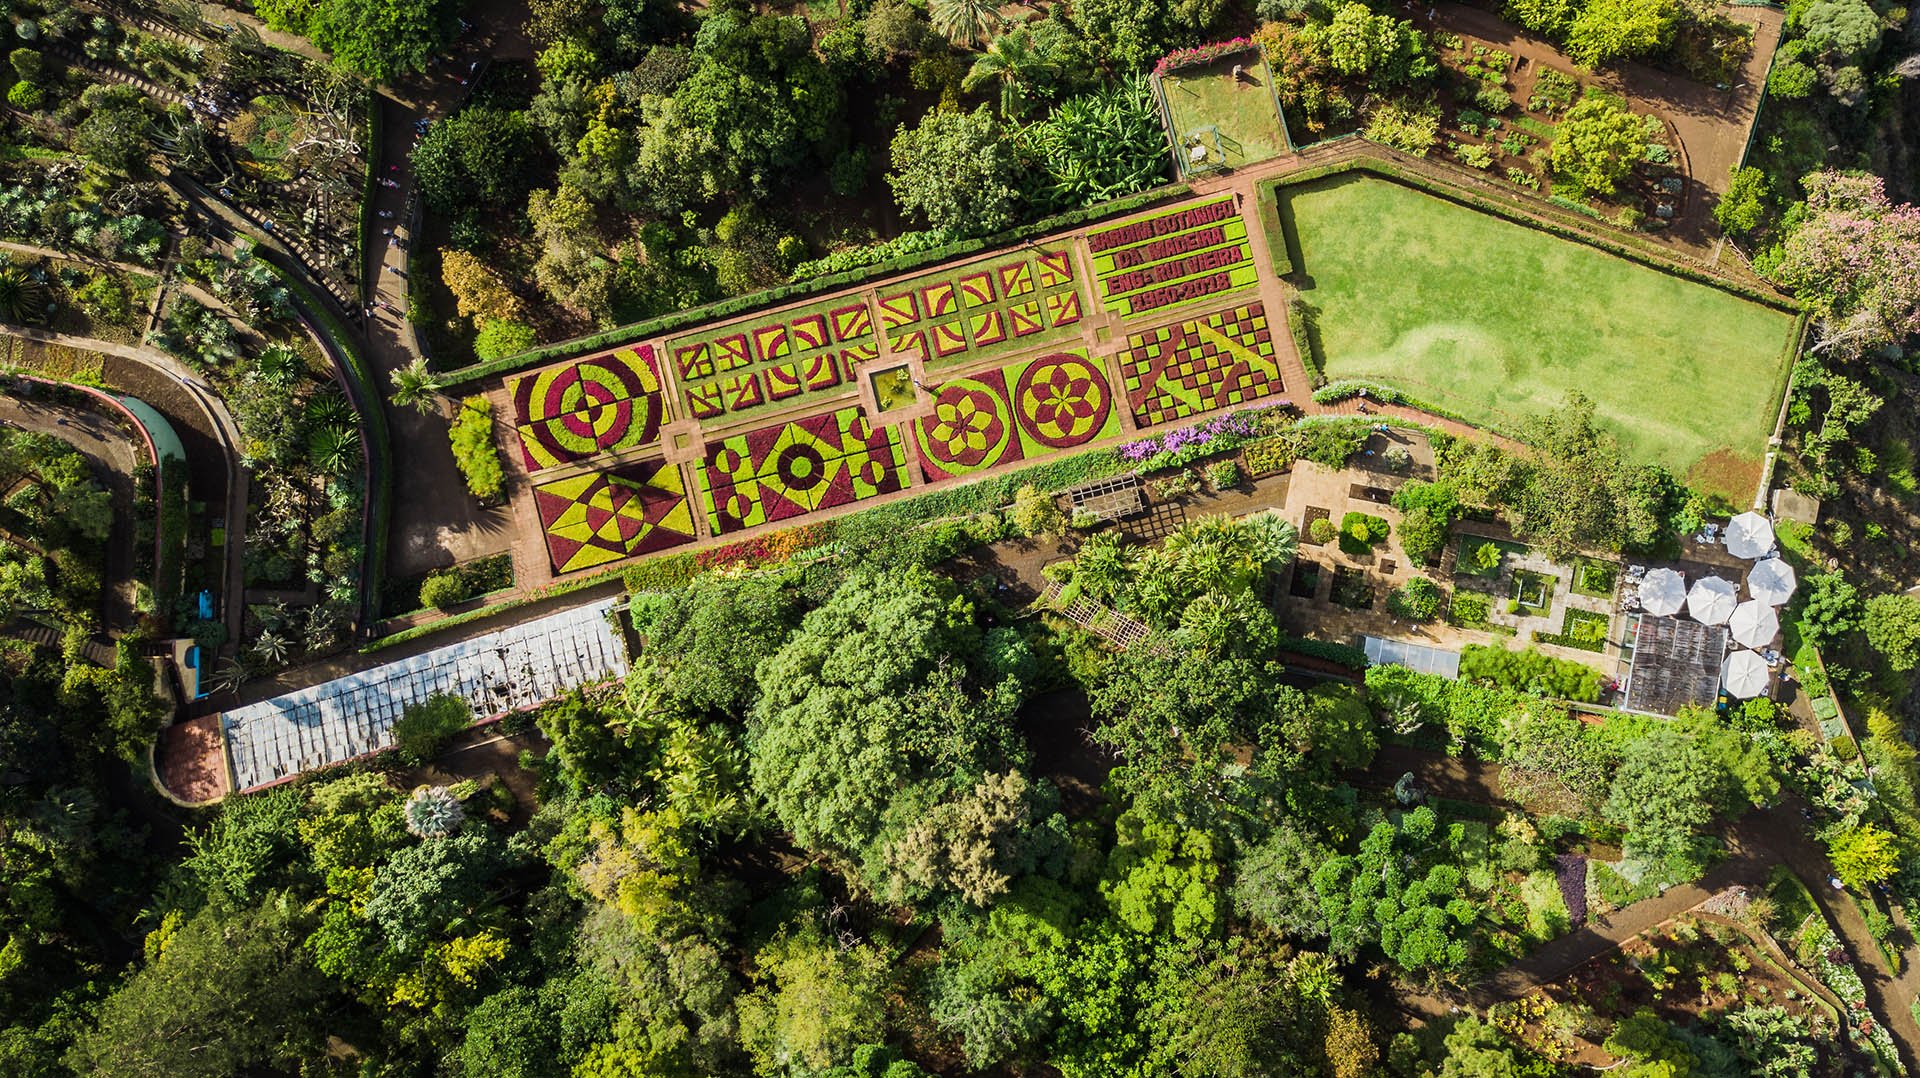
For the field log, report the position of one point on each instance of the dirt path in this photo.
(163, 368)
(113, 453)
(1756, 842)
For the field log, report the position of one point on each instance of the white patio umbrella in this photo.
(1749, 535)
(1771, 581)
(1754, 624)
(1663, 592)
(1745, 674)
(1712, 600)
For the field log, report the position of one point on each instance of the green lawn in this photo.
(1238, 119)
(1496, 321)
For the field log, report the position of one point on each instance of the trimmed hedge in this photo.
(1531, 671)
(1306, 342)
(364, 390)
(806, 289)
(1334, 392)
(1346, 655)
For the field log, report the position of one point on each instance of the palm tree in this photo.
(1013, 62)
(414, 386)
(966, 22)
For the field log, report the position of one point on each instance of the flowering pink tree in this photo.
(1855, 261)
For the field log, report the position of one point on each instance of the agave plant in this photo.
(270, 647)
(22, 299)
(334, 450)
(433, 812)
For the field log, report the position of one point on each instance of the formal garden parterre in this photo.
(1200, 365)
(791, 469)
(636, 507)
(1173, 258)
(605, 404)
(1023, 411)
(762, 363)
(988, 307)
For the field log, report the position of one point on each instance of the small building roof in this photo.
(1676, 662)
(513, 668)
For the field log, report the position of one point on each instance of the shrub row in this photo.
(1531, 671)
(804, 289)
(1333, 392)
(1345, 654)
(1305, 341)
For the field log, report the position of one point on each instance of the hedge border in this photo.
(815, 287)
(1370, 161)
(367, 188)
(364, 388)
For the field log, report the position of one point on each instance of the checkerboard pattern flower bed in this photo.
(1213, 361)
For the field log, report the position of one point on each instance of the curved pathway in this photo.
(214, 411)
(1756, 843)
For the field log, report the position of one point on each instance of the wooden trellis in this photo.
(1097, 618)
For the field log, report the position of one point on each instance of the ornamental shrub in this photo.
(443, 591)
(501, 337)
(1417, 600)
(1322, 530)
(474, 450)
(424, 729)
(1492, 99)
(26, 96)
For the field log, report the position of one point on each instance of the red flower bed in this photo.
(1200, 54)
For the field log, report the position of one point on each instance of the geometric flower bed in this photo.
(748, 365)
(1165, 260)
(1024, 410)
(1213, 361)
(1024, 300)
(632, 508)
(602, 404)
(791, 469)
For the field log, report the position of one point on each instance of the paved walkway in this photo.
(168, 369)
(114, 453)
